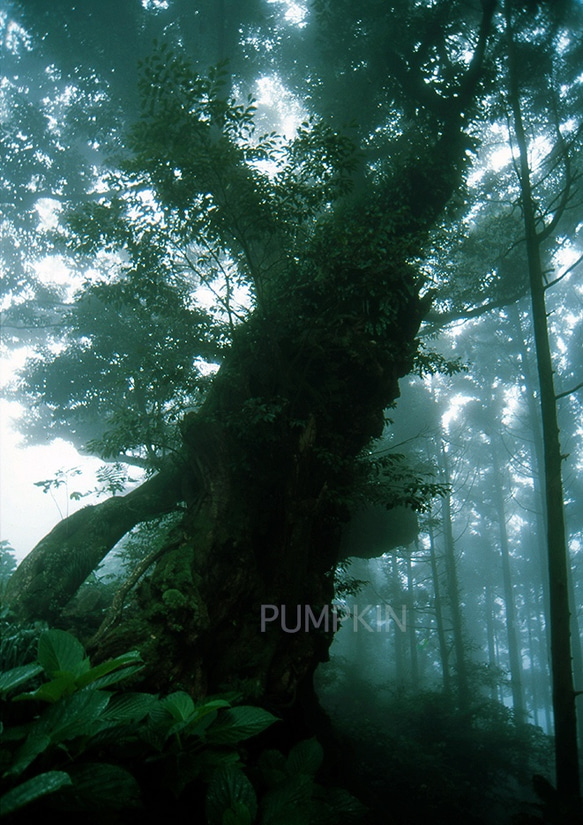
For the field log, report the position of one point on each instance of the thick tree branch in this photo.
(438, 320)
(80, 542)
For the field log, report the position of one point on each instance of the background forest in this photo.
(305, 277)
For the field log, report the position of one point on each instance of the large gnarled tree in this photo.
(324, 245)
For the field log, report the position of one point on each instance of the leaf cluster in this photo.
(71, 743)
(74, 745)
(286, 794)
(393, 480)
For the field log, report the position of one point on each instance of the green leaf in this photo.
(105, 668)
(203, 717)
(41, 785)
(286, 802)
(100, 786)
(345, 807)
(272, 764)
(76, 715)
(60, 651)
(239, 723)
(305, 757)
(272, 760)
(230, 790)
(36, 743)
(239, 814)
(11, 679)
(179, 705)
(113, 678)
(63, 685)
(129, 707)
(198, 725)
(214, 704)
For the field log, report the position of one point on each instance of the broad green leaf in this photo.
(103, 669)
(179, 705)
(208, 707)
(62, 685)
(14, 732)
(281, 804)
(70, 717)
(239, 723)
(239, 814)
(100, 786)
(198, 725)
(60, 651)
(347, 808)
(228, 789)
(76, 715)
(272, 764)
(305, 757)
(159, 716)
(113, 678)
(129, 707)
(11, 679)
(210, 760)
(36, 743)
(204, 716)
(272, 760)
(110, 734)
(32, 789)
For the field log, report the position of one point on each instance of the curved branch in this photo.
(436, 321)
(569, 392)
(53, 571)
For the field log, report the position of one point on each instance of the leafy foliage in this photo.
(83, 747)
(7, 561)
(179, 222)
(18, 642)
(287, 794)
(52, 749)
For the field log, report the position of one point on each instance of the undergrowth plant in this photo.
(69, 737)
(72, 742)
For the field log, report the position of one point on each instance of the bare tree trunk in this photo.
(453, 591)
(567, 762)
(532, 667)
(414, 670)
(492, 658)
(514, 647)
(441, 637)
(399, 647)
(577, 655)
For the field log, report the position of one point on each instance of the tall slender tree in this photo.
(536, 231)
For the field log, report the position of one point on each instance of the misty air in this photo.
(291, 305)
